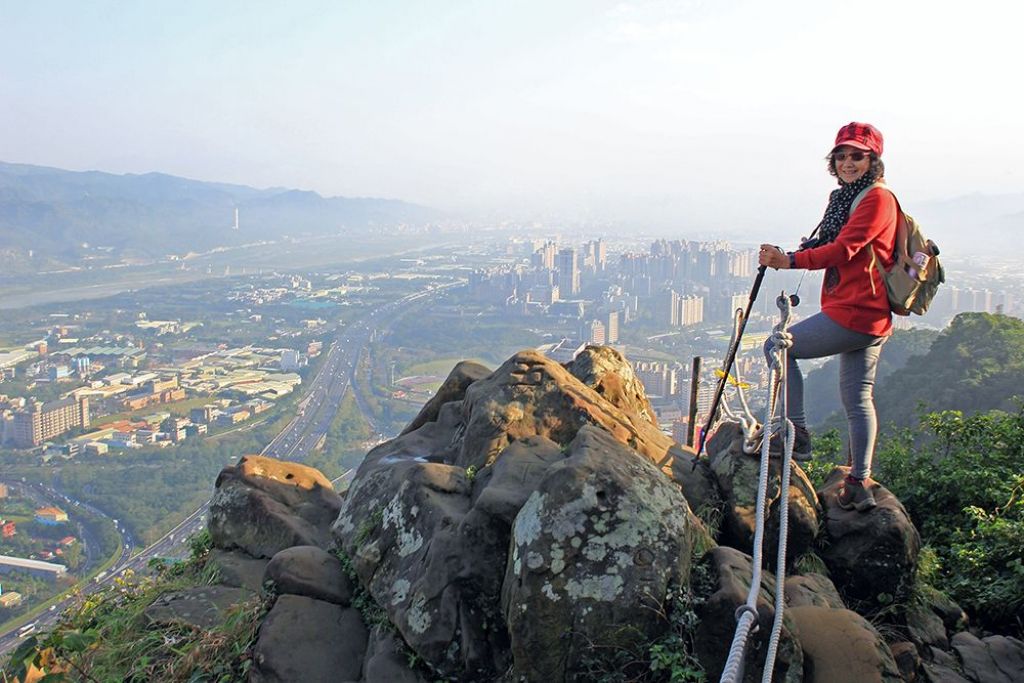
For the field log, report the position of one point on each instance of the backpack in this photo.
(910, 288)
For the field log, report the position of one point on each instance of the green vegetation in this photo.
(345, 444)
(440, 367)
(104, 636)
(962, 481)
(975, 365)
(151, 491)
(626, 656)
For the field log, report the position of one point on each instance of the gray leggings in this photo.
(817, 337)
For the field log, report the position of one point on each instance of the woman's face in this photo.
(847, 168)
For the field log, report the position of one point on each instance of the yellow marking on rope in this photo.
(733, 381)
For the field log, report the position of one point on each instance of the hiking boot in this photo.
(855, 494)
(801, 444)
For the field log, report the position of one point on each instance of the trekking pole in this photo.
(730, 359)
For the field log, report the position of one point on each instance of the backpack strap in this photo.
(899, 255)
(899, 251)
(862, 193)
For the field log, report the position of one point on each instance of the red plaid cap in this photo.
(860, 135)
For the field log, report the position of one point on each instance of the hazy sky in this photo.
(706, 114)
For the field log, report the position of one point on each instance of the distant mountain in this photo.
(54, 212)
(975, 223)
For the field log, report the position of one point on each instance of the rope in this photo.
(746, 614)
(745, 417)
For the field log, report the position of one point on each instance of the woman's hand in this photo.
(773, 257)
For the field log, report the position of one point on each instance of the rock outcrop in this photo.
(430, 515)
(595, 550)
(533, 518)
(737, 474)
(871, 556)
(262, 506)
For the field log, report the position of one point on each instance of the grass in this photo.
(105, 637)
(440, 367)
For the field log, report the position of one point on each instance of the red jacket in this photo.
(853, 291)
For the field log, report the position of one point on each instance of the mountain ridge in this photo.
(55, 212)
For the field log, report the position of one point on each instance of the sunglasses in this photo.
(855, 156)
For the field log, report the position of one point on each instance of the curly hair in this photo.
(877, 166)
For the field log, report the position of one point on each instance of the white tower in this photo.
(236, 218)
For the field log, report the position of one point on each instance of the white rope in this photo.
(745, 417)
(746, 614)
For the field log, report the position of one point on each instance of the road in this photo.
(300, 436)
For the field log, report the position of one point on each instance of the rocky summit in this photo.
(532, 523)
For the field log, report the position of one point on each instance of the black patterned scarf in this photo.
(837, 213)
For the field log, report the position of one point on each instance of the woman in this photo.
(855, 319)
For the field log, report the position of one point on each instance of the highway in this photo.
(303, 434)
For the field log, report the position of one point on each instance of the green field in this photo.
(440, 367)
(178, 408)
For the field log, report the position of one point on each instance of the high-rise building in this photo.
(741, 263)
(659, 379)
(691, 310)
(42, 421)
(612, 328)
(593, 332)
(568, 272)
(545, 256)
(669, 306)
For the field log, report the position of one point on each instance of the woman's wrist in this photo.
(792, 259)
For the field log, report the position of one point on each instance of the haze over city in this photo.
(709, 116)
(448, 341)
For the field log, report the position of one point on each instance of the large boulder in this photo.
(594, 552)
(995, 659)
(263, 505)
(737, 474)
(941, 667)
(532, 395)
(812, 589)
(607, 372)
(698, 482)
(387, 659)
(235, 568)
(312, 572)
(726, 575)
(430, 542)
(401, 527)
(428, 517)
(302, 639)
(202, 607)
(840, 645)
(871, 556)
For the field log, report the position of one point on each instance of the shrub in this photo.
(962, 481)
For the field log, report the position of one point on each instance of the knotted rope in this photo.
(746, 614)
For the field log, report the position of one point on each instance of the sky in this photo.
(690, 114)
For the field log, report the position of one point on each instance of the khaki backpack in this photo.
(910, 287)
